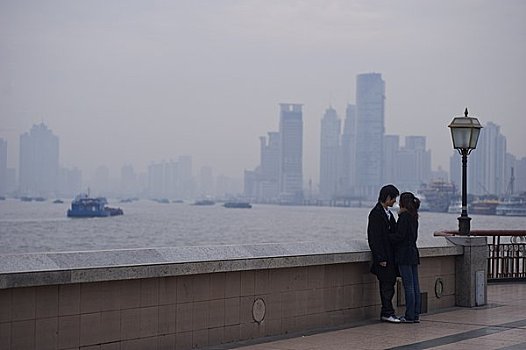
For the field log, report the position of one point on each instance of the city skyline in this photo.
(492, 170)
(139, 82)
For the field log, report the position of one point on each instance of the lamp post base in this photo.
(464, 225)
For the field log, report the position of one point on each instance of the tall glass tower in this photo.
(329, 151)
(39, 161)
(487, 164)
(3, 166)
(291, 153)
(346, 179)
(370, 129)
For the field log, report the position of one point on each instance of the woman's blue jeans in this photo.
(413, 302)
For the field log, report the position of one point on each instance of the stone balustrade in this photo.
(191, 297)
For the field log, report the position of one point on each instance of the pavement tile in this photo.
(506, 304)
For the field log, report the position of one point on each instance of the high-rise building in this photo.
(414, 163)
(172, 179)
(228, 187)
(268, 175)
(291, 153)
(346, 181)
(262, 183)
(206, 181)
(487, 163)
(128, 183)
(455, 169)
(250, 185)
(520, 175)
(390, 158)
(409, 166)
(70, 182)
(11, 184)
(39, 161)
(488, 171)
(101, 183)
(157, 186)
(184, 177)
(510, 175)
(3, 167)
(370, 97)
(329, 152)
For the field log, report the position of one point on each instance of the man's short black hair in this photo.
(388, 191)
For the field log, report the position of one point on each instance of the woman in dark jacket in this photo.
(407, 256)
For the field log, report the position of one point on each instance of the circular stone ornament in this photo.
(258, 310)
(439, 287)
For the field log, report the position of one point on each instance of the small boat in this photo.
(204, 202)
(26, 199)
(84, 206)
(237, 205)
(58, 201)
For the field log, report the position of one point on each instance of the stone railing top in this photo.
(20, 270)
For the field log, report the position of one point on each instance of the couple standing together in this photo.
(394, 252)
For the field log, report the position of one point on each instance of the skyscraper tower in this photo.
(39, 161)
(3, 166)
(269, 167)
(346, 180)
(291, 153)
(412, 164)
(370, 96)
(329, 151)
(487, 165)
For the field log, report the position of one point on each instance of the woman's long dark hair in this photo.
(410, 203)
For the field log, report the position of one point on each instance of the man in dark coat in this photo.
(381, 223)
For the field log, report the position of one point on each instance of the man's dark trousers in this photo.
(387, 280)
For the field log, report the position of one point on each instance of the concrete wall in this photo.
(183, 305)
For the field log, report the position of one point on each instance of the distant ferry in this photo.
(204, 202)
(513, 206)
(237, 205)
(29, 199)
(84, 206)
(161, 200)
(438, 195)
(484, 207)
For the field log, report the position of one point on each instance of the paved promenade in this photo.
(499, 325)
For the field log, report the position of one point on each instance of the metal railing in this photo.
(507, 253)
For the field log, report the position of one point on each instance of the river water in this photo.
(43, 226)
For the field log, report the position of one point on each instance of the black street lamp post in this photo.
(465, 133)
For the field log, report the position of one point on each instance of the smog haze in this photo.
(135, 82)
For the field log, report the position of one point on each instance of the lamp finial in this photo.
(466, 112)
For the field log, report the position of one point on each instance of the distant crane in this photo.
(484, 188)
(509, 189)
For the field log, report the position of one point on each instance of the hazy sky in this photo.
(140, 81)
